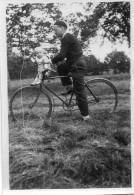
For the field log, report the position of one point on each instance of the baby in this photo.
(43, 63)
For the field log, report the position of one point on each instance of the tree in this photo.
(17, 68)
(25, 29)
(113, 18)
(28, 26)
(94, 66)
(118, 61)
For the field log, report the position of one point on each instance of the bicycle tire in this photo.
(106, 93)
(30, 103)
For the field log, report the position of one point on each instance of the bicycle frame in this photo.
(96, 99)
(42, 90)
(69, 103)
(70, 100)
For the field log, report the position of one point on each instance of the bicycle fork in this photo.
(36, 99)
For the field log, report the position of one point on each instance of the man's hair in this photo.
(61, 23)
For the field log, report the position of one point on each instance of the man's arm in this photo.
(63, 52)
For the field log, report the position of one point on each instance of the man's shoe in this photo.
(87, 119)
(67, 92)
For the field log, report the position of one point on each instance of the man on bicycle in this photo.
(75, 64)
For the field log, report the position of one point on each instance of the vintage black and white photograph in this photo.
(68, 75)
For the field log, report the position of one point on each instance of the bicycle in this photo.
(35, 102)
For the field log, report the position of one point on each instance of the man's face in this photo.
(59, 30)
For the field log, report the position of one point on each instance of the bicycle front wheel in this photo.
(102, 95)
(29, 103)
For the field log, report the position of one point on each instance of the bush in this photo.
(118, 62)
(94, 66)
(18, 68)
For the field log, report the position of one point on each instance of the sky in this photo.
(101, 51)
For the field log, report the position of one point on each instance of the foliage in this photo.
(94, 66)
(27, 30)
(18, 68)
(118, 61)
(30, 25)
(112, 17)
(89, 24)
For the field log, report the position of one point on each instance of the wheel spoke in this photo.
(30, 104)
(105, 95)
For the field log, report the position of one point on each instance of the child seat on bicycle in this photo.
(43, 63)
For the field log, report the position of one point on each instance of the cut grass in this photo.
(66, 153)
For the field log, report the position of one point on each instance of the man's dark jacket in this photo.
(71, 50)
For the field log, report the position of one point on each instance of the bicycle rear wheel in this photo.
(29, 103)
(102, 95)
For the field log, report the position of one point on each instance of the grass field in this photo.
(66, 153)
